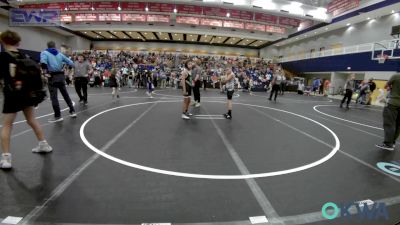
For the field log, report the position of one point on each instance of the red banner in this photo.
(211, 22)
(32, 6)
(133, 17)
(210, 11)
(189, 9)
(133, 6)
(79, 6)
(86, 17)
(261, 17)
(289, 21)
(255, 26)
(244, 15)
(188, 20)
(115, 17)
(101, 6)
(66, 18)
(337, 7)
(158, 18)
(160, 7)
(233, 24)
(274, 29)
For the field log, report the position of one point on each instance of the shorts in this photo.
(14, 103)
(188, 90)
(230, 94)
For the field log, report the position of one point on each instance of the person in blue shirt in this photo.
(52, 63)
(316, 84)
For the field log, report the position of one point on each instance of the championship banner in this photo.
(34, 17)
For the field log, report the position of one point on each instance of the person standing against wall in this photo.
(81, 76)
(52, 63)
(391, 114)
(349, 87)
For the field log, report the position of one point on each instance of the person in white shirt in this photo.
(300, 88)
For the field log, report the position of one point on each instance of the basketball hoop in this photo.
(382, 58)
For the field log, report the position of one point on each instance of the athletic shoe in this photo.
(227, 116)
(347, 107)
(193, 103)
(197, 105)
(56, 119)
(85, 103)
(81, 101)
(185, 117)
(72, 114)
(43, 147)
(385, 147)
(5, 161)
(189, 114)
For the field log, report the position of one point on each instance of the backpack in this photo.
(27, 81)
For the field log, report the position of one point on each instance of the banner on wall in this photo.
(337, 7)
(34, 17)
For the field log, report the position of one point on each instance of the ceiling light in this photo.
(348, 24)
(92, 8)
(175, 34)
(219, 37)
(130, 32)
(175, 10)
(99, 32)
(119, 8)
(66, 9)
(147, 9)
(228, 14)
(145, 33)
(97, 36)
(392, 11)
(165, 38)
(85, 32)
(368, 18)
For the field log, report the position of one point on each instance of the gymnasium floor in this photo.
(281, 160)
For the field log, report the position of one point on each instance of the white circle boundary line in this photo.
(349, 121)
(205, 176)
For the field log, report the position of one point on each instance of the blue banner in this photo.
(34, 17)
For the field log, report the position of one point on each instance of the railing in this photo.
(369, 47)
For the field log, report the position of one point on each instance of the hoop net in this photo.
(382, 58)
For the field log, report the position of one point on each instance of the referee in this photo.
(52, 63)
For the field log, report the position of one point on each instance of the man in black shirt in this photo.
(372, 87)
